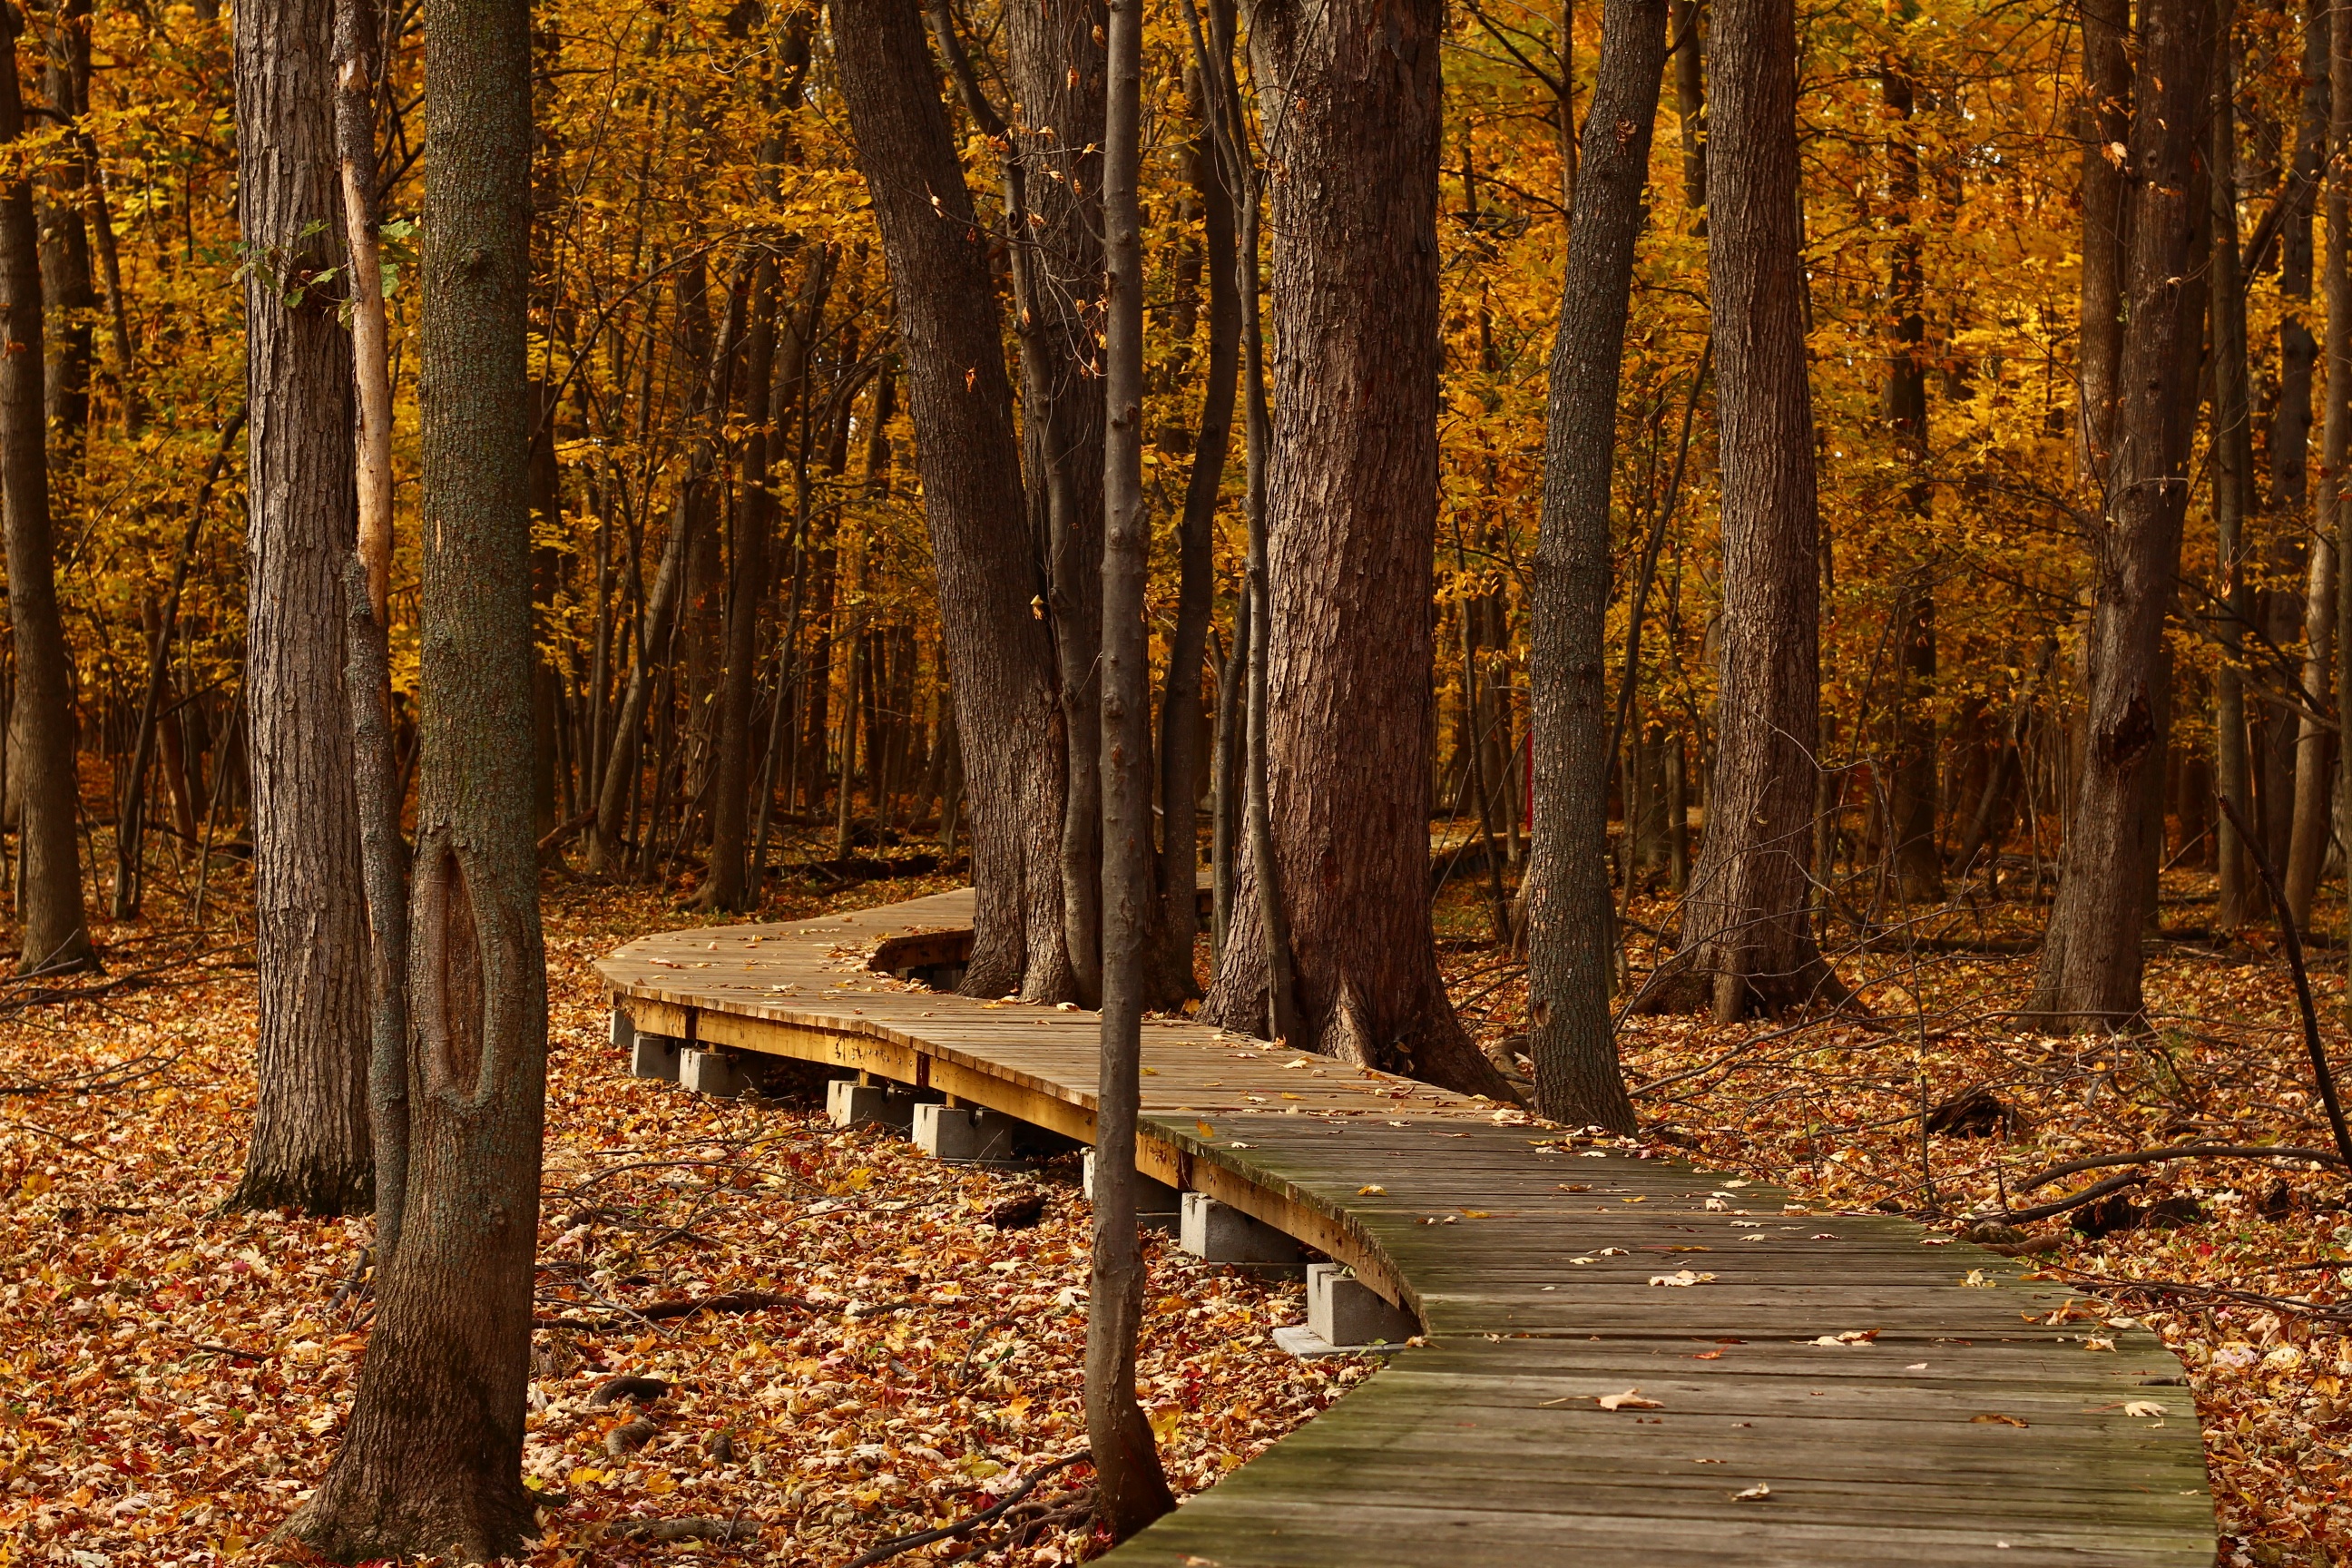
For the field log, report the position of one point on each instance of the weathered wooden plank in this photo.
(1487, 1444)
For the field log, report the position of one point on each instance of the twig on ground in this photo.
(659, 1311)
(2091, 1194)
(962, 1527)
(2048, 1175)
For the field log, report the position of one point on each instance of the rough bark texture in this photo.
(1056, 52)
(1005, 691)
(431, 1459)
(1748, 941)
(1570, 959)
(310, 1143)
(56, 934)
(2090, 969)
(1130, 1488)
(65, 233)
(2106, 124)
(1354, 124)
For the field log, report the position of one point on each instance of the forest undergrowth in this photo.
(913, 1352)
(2242, 1265)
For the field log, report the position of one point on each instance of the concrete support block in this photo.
(653, 1055)
(961, 1132)
(624, 1030)
(1217, 1233)
(1157, 1206)
(853, 1104)
(1341, 1309)
(714, 1072)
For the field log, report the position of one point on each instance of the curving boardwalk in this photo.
(1965, 1429)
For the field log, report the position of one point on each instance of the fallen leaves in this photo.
(1681, 1277)
(1631, 1399)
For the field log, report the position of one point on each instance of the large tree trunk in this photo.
(1130, 1488)
(1351, 629)
(2233, 483)
(1570, 958)
(1056, 52)
(998, 649)
(431, 1459)
(41, 728)
(2090, 969)
(1182, 726)
(1748, 941)
(311, 1142)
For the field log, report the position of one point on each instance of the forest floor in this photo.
(177, 1374)
(2244, 1267)
(173, 1377)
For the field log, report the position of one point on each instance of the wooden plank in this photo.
(1486, 1445)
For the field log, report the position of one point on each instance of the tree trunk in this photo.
(952, 355)
(1055, 50)
(724, 884)
(1748, 941)
(41, 731)
(2233, 477)
(65, 233)
(1911, 796)
(1350, 628)
(2106, 119)
(2090, 969)
(1182, 727)
(311, 1147)
(2314, 753)
(129, 822)
(1685, 19)
(1130, 1488)
(431, 1458)
(1570, 959)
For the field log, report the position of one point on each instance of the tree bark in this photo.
(56, 934)
(2314, 749)
(2090, 968)
(65, 231)
(1130, 1488)
(311, 1147)
(1748, 941)
(952, 355)
(2233, 477)
(2105, 125)
(431, 1458)
(1055, 53)
(1353, 121)
(1684, 21)
(1181, 723)
(1570, 958)
(1911, 796)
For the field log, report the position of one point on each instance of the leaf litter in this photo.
(873, 1356)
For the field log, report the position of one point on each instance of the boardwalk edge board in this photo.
(1902, 1397)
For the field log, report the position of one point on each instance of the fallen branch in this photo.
(892, 1548)
(2042, 1178)
(2225, 1292)
(2091, 1194)
(682, 1529)
(731, 1301)
(2293, 940)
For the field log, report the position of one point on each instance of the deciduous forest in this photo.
(1756, 585)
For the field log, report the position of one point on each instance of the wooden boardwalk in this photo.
(1968, 1428)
